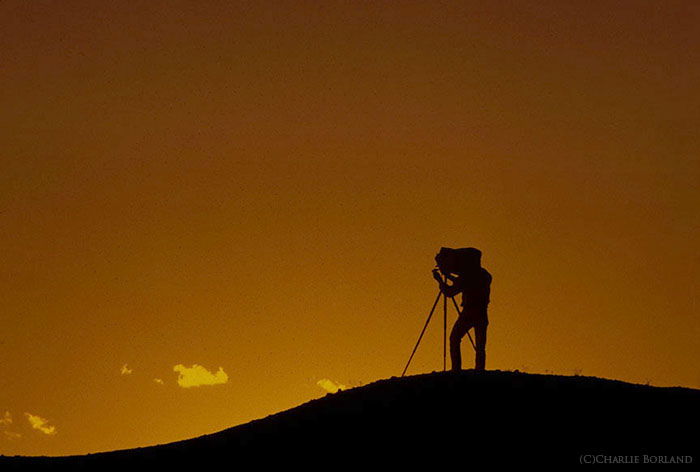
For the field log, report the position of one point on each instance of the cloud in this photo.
(330, 386)
(6, 421)
(197, 375)
(125, 370)
(41, 424)
(12, 435)
(158, 381)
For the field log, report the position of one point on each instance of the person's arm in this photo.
(451, 277)
(449, 290)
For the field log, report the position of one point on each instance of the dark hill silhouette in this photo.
(464, 418)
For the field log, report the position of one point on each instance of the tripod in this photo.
(444, 330)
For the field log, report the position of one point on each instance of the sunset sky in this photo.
(212, 211)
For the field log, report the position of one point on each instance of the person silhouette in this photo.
(474, 283)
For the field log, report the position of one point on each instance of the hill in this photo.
(493, 417)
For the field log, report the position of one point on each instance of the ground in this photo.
(457, 419)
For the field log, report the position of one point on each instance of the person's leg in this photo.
(459, 329)
(480, 342)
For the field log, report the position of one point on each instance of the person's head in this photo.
(470, 259)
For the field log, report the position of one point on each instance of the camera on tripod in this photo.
(457, 261)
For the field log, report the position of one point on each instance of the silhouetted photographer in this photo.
(462, 267)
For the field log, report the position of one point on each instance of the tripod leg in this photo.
(422, 332)
(444, 332)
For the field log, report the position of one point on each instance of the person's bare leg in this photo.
(480, 341)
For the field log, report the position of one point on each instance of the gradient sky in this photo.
(249, 196)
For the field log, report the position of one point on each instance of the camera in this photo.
(457, 261)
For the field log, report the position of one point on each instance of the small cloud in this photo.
(40, 424)
(6, 419)
(330, 386)
(197, 375)
(12, 435)
(125, 370)
(158, 381)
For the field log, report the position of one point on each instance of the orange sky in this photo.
(261, 187)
